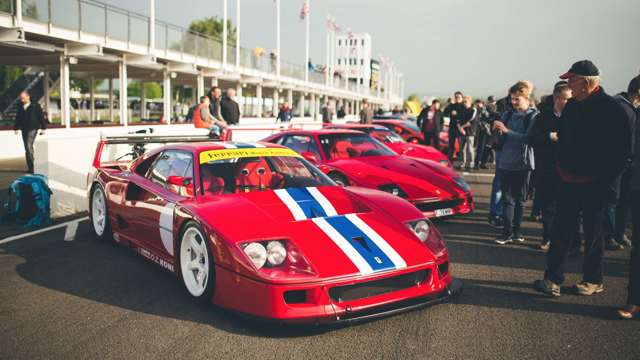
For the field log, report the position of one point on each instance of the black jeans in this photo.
(572, 199)
(634, 265)
(432, 139)
(513, 186)
(623, 206)
(452, 145)
(28, 138)
(546, 192)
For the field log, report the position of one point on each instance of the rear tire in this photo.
(99, 215)
(196, 263)
(339, 179)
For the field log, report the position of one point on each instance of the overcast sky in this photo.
(480, 47)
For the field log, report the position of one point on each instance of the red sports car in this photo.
(257, 229)
(396, 143)
(410, 131)
(355, 158)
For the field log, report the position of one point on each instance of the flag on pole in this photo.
(332, 25)
(306, 9)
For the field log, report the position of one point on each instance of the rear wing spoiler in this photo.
(137, 142)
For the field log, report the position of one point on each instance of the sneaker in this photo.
(547, 287)
(629, 312)
(587, 288)
(504, 240)
(495, 223)
(545, 245)
(625, 241)
(518, 238)
(613, 245)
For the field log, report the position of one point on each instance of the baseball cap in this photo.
(582, 68)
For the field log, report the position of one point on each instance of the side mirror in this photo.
(178, 180)
(309, 156)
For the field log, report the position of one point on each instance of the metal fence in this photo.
(97, 18)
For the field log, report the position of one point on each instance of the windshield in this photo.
(346, 146)
(411, 126)
(386, 136)
(260, 173)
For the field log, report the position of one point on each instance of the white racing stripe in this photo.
(344, 245)
(291, 204)
(40, 231)
(323, 201)
(397, 260)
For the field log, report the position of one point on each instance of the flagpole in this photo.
(278, 39)
(327, 65)
(224, 34)
(237, 34)
(306, 42)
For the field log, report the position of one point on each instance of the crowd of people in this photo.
(573, 152)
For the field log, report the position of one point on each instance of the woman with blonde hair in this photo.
(516, 158)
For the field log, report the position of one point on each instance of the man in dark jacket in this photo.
(632, 308)
(215, 96)
(544, 146)
(430, 122)
(29, 118)
(630, 101)
(586, 172)
(229, 108)
(454, 111)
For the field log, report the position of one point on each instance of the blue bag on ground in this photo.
(29, 200)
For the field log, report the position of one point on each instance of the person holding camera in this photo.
(516, 159)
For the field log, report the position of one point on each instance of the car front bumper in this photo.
(267, 301)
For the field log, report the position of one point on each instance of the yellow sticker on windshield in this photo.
(225, 154)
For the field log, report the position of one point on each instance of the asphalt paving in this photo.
(89, 299)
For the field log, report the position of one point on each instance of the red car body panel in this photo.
(400, 127)
(400, 148)
(428, 185)
(143, 215)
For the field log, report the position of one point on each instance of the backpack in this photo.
(29, 201)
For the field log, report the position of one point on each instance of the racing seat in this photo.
(343, 150)
(212, 184)
(253, 174)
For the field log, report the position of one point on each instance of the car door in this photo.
(156, 206)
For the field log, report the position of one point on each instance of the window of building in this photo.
(339, 42)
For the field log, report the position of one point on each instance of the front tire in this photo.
(196, 263)
(99, 214)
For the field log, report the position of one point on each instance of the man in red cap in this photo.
(594, 144)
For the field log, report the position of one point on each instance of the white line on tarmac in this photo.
(477, 174)
(39, 231)
(70, 231)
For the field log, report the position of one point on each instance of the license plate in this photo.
(444, 212)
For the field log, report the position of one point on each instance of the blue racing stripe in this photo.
(307, 203)
(376, 258)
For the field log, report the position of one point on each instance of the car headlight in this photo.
(430, 238)
(393, 189)
(271, 253)
(276, 253)
(257, 253)
(420, 228)
(463, 184)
